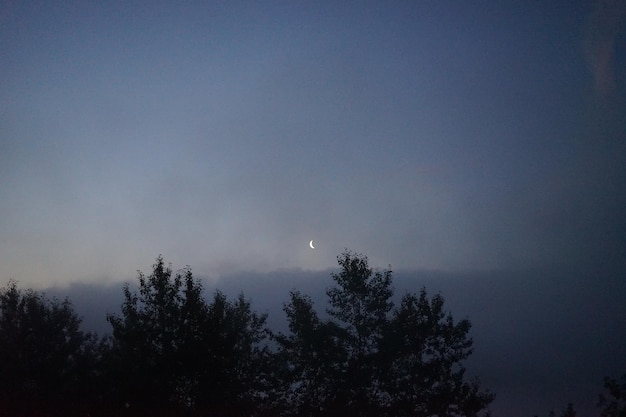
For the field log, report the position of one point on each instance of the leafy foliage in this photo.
(614, 405)
(369, 359)
(175, 352)
(45, 359)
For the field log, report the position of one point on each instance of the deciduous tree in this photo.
(46, 360)
(172, 352)
(369, 358)
(613, 403)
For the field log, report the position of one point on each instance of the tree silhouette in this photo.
(423, 351)
(614, 405)
(311, 356)
(235, 380)
(172, 352)
(46, 361)
(569, 411)
(369, 359)
(145, 341)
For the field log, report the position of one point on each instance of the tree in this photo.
(614, 405)
(423, 353)
(146, 341)
(311, 357)
(46, 361)
(569, 411)
(372, 359)
(235, 380)
(360, 303)
(172, 352)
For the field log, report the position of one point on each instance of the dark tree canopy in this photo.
(371, 359)
(613, 402)
(173, 352)
(45, 359)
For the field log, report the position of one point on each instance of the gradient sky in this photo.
(430, 135)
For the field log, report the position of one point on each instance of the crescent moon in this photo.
(311, 245)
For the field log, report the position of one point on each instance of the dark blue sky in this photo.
(442, 136)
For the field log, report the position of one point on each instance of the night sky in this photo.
(477, 147)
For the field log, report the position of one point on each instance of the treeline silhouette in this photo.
(174, 353)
